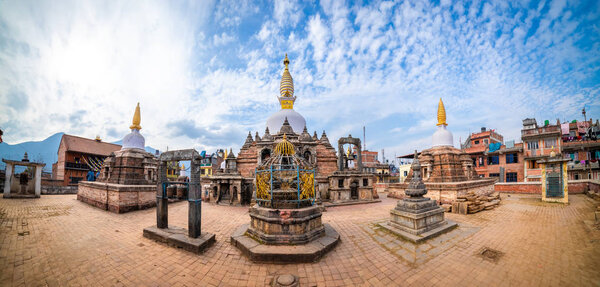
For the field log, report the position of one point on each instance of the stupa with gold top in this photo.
(128, 177)
(285, 212)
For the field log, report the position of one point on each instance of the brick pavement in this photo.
(57, 240)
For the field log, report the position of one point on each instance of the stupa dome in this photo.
(135, 140)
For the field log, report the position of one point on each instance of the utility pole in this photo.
(364, 139)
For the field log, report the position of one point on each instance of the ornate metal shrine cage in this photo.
(285, 180)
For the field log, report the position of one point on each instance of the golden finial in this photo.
(552, 153)
(225, 156)
(441, 116)
(286, 86)
(136, 119)
(284, 147)
(183, 166)
(286, 61)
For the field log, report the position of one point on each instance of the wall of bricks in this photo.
(116, 197)
(575, 186)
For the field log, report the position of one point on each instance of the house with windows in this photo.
(581, 146)
(77, 156)
(538, 143)
(494, 158)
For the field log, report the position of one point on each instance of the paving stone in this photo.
(72, 243)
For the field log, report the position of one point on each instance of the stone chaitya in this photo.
(233, 182)
(417, 218)
(127, 178)
(285, 213)
(447, 172)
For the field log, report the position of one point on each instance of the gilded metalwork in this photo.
(307, 185)
(441, 116)
(136, 119)
(263, 186)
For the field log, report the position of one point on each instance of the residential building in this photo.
(77, 156)
(581, 145)
(476, 146)
(538, 143)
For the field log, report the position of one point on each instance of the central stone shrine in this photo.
(417, 218)
(127, 179)
(285, 214)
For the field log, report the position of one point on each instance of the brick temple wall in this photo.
(575, 186)
(117, 198)
(446, 192)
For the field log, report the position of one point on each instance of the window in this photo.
(512, 158)
(532, 145)
(532, 164)
(476, 142)
(365, 181)
(340, 183)
(494, 175)
(405, 173)
(549, 143)
(481, 161)
(485, 141)
(511, 177)
(493, 160)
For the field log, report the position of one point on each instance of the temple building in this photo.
(127, 178)
(447, 172)
(232, 183)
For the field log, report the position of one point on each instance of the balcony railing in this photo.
(76, 165)
(542, 130)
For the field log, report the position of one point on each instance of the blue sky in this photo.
(207, 72)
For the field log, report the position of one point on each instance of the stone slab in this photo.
(177, 237)
(302, 253)
(423, 236)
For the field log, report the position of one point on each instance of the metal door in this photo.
(554, 185)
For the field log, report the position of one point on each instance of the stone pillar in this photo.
(359, 165)
(7, 182)
(194, 201)
(501, 175)
(38, 181)
(162, 213)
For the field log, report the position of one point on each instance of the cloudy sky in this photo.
(207, 72)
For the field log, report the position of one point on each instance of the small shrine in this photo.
(350, 184)
(417, 218)
(554, 179)
(26, 184)
(127, 178)
(285, 223)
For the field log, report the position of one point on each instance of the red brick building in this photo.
(538, 143)
(74, 154)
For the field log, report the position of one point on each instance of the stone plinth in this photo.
(301, 253)
(178, 237)
(285, 226)
(446, 192)
(118, 198)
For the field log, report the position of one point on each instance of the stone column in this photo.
(7, 182)
(162, 213)
(194, 201)
(38, 181)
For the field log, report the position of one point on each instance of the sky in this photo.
(207, 72)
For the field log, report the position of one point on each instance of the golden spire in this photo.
(441, 115)
(136, 119)
(286, 86)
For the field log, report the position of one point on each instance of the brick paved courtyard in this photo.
(57, 240)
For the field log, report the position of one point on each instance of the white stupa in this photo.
(135, 140)
(286, 100)
(442, 137)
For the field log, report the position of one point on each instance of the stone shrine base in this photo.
(118, 198)
(178, 237)
(418, 219)
(301, 253)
